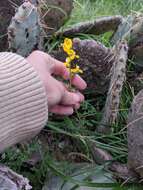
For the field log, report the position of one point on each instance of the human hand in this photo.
(60, 100)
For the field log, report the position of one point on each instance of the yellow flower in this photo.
(68, 60)
(70, 65)
(76, 70)
(77, 56)
(66, 64)
(71, 53)
(67, 44)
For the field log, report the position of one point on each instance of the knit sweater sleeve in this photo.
(23, 101)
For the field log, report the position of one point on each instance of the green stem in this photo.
(70, 80)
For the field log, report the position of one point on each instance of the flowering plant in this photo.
(70, 62)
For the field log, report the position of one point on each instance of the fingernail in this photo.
(77, 106)
(69, 112)
(66, 75)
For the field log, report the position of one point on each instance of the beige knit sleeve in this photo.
(23, 101)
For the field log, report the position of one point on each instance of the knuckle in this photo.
(36, 52)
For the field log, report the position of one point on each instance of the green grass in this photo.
(85, 10)
(80, 128)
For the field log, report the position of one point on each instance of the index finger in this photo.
(59, 69)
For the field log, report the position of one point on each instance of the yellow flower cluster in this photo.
(68, 48)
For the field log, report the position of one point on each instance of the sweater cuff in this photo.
(23, 100)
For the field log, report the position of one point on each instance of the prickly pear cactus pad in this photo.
(118, 76)
(131, 29)
(136, 43)
(97, 27)
(7, 9)
(24, 33)
(123, 29)
(135, 135)
(9, 180)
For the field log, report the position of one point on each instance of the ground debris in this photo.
(54, 13)
(34, 159)
(120, 171)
